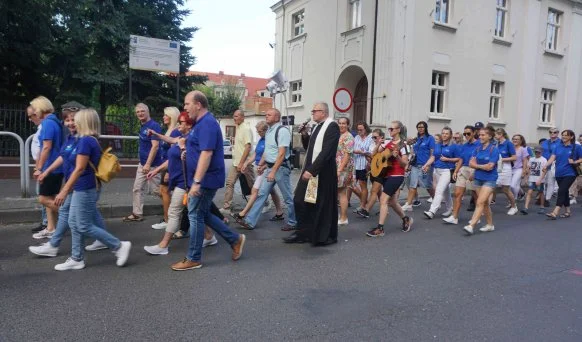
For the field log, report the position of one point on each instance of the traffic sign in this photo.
(342, 100)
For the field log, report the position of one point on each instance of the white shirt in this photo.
(35, 146)
(535, 169)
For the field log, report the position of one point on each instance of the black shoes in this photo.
(295, 238)
(38, 229)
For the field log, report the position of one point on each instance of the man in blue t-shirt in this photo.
(547, 148)
(50, 140)
(150, 157)
(205, 174)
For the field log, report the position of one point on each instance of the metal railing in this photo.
(25, 165)
(23, 181)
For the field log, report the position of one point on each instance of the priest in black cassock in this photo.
(317, 223)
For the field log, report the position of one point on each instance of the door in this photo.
(361, 101)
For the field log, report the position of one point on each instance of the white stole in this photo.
(318, 145)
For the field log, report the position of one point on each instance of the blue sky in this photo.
(233, 36)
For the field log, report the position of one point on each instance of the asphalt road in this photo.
(522, 282)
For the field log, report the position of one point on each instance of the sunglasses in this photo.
(181, 121)
(467, 134)
(391, 129)
(71, 109)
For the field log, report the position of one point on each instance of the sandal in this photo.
(243, 224)
(565, 215)
(551, 216)
(179, 235)
(277, 218)
(236, 216)
(132, 218)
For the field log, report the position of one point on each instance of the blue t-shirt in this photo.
(164, 146)
(506, 149)
(466, 151)
(51, 131)
(563, 153)
(547, 147)
(422, 149)
(175, 168)
(66, 150)
(485, 156)
(145, 143)
(206, 136)
(86, 146)
(259, 149)
(447, 151)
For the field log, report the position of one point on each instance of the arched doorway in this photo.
(354, 79)
(361, 101)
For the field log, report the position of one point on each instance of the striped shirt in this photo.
(362, 144)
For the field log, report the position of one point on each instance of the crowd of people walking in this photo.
(185, 167)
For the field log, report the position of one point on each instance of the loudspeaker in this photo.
(279, 79)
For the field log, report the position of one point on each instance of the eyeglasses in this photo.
(391, 129)
(419, 127)
(316, 110)
(467, 134)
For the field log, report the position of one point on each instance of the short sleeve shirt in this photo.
(271, 146)
(51, 131)
(206, 136)
(259, 150)
(447, 151)
(66, 150)
(164, 146)
(396, 170)
(547, 147)
(466, 151)
(535, 169)
(243, 136)
(506, 149)
(145, 143)
(362, 144)
(87, 146)
(563, 153)
(175, 168)
(484, 156)
(422, 149)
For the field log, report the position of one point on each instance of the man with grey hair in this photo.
(243, 142)
(149, 157)
(317, 222)
(277, 169)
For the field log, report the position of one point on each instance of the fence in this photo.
(13, 119)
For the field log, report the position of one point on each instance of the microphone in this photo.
(303, 125)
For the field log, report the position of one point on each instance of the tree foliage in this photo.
(79, 50)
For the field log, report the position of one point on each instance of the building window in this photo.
(442, 11)
(355, 11)
(230, 132)
(501, 18)
(547, 106)
(296, 90)
(438, 93)
(495, 100)
(553, 29)
(298, 23)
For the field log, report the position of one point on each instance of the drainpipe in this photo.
(374, 64)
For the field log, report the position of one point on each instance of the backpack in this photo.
(289, 161)
(108, 166)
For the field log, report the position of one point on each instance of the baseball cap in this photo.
(479, 125)
(538, 149)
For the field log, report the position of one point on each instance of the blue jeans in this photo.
(82, 220)
(200, 216)
(283, 181)
(63, 221)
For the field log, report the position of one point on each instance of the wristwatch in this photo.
(197, 181)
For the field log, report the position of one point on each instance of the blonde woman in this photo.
(83, 184)
(170, 119)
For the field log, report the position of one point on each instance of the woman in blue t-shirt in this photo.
(568, 156)
(83, 183)
(170, 120)
(255, 158)
(484, 161)
(508, 158)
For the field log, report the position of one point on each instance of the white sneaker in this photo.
(512, 211)
(95, 246)
(123, 253)
(156, 250)
(43, 234)
(70, 264)
(487, 228)
(44, 250)
(429, 200)
(451, 219)
(342, 223)
(161, 225)
(210, 242)
(428, 214)
(407, 207)
(469, 229)
(573, 201)
(447, 213)
(267, 207)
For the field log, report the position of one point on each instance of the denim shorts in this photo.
(533, 186)
(419, 178)
(479, 183)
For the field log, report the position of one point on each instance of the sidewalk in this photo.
(116, 200)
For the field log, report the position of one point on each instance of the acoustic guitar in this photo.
(383, 161)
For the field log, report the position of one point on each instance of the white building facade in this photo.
(515, 64)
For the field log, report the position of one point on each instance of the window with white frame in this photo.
(553, 29)
(547, 106)
(298, 23)
(501, 18)
(496, 100)
(355, 10)
(296, 88)
(438, 93)
(442, 11)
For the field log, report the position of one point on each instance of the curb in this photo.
(32, 215)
